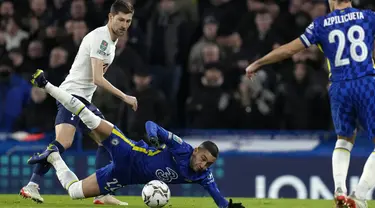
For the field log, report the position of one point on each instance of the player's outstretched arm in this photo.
(279, 54)
(211, 187)
(158, 135)
(99, 80)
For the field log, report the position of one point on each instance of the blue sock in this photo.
(41, 169)
(103, 158)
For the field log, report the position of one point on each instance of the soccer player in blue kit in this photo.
(346, 36)
(132, 162)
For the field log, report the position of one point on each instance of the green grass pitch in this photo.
(15, 201)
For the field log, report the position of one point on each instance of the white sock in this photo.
(32, 184)
(76, 190)
(340, 163)
(91, 120)
(64, 174)
(67, 100)
(367, 180)
(74, 105)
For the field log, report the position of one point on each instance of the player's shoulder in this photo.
(368, 12)
(100, 30)
(97, 34)
(315, 24)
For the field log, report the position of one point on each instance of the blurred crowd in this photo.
(183, 59)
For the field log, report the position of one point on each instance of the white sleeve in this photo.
(97, 46)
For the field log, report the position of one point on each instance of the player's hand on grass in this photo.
(234, 205)
(132, 101)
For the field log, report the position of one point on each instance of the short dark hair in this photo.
(122, 6)
(211, 147)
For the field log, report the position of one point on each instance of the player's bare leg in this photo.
(340, 166)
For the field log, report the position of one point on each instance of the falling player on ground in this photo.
(132, 162)
(346, 36)
(93, 58)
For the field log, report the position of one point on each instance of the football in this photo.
(156, 194)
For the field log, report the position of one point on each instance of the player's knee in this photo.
(65, 142)
(76, 191)
(65, 134)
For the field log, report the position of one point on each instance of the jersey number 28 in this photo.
(354, 43)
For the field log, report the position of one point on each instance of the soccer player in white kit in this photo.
(93, 58)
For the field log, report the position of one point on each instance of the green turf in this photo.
(15, 201)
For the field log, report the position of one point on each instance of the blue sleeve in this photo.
(166, 137)
(211, 187)
(310, 36)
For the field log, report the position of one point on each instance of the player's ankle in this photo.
(341, 190)
(33, 184)
(53, 157)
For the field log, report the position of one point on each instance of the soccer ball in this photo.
(156, 194)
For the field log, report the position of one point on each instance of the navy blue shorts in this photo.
(64, 116)
(125, 154)
(115, 175)
(353, 101)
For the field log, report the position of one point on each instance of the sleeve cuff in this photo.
(305, 41)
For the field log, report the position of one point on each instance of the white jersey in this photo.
(97, 44)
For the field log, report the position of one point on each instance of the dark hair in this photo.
(341, 1)
(211, 147)
(122, 6)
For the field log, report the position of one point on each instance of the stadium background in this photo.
(184, 61)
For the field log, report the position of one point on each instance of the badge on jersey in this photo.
(177, 139)
(103, 45)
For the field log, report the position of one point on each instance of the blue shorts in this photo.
(119, 172)
(353, 101)
(65, 116)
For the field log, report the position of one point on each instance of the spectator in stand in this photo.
(58, 67)
(14, 95)
(127, 58)
(210, 54)
(211, 107)
(210, 27)
(31, 120)
(6, 12)
(14, 34)
(37, 55)
(302, 104)
(237, 59)
(79, 30)
(165, 34)
(152, 105)
(21, 66)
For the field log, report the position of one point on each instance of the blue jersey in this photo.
(347, 38)
(137, 163)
